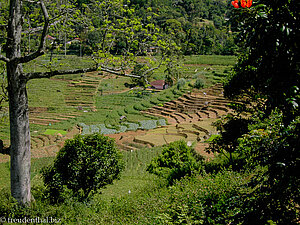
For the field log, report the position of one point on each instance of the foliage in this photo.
(176, 161)
(3, 85)
(83, 165)
(199, 83)
(269, 65)
(268, 147)
(271, 145)
(207, 199)
(231, 128)
(180, 83)
(269, 70)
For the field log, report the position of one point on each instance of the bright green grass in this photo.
(108, 86)
(59, 62)
(53, 132)
(210, 59)
(5, 175)
(134, 177)
(46, 93)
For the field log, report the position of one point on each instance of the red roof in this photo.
(158, 84)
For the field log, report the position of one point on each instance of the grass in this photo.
(59, 62)
(210, 59)
(133, 178)
(47, 93)
(53, 132)
(36, 165)
(113, 85)
(138, 197)
(110, 103)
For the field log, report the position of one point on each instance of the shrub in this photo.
(273, 144)
(83, 165)
(180, 83)
(176, 161)
(199, 83)
(207, 199)
(176, 92)
(139, 107)
(130, 110)
(146, 104)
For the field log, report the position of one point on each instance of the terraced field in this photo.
(193, 106)
(78, 97)
(190, 118)
(63, 101)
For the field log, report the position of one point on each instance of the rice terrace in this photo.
(149, 112)
(86, 102)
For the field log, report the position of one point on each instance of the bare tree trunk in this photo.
(19, 136)
(18, 109)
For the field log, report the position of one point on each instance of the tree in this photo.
(267, 75)
(269, 66)
(17, 79)
(17, 94)
(83, 165)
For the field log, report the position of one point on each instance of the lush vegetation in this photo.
(253, 178)
(82, 166)
(113, 98)
(176, 161)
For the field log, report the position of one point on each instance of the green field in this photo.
(110, 97)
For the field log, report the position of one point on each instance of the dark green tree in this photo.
(269, 65)
(267, 75)
(83, 165)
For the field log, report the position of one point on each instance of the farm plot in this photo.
(195, 106)
(196, 132)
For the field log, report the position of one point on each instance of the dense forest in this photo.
(199, 27)
(252, 178)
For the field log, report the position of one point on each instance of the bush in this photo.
(274, 146)
(176, 161)
(199, 83)
(139, 107)
(207, 199)
(181, 83)
(83, 165)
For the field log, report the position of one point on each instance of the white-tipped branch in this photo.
(119, 73)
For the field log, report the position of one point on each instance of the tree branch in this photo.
(36, 75)
(41, 48)
(37, 29)
(153, 68)
(119, 74)
(3, 58)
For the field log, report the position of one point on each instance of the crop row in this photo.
(126, 126)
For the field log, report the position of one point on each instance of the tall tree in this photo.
(269, 66)
(18, 100)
